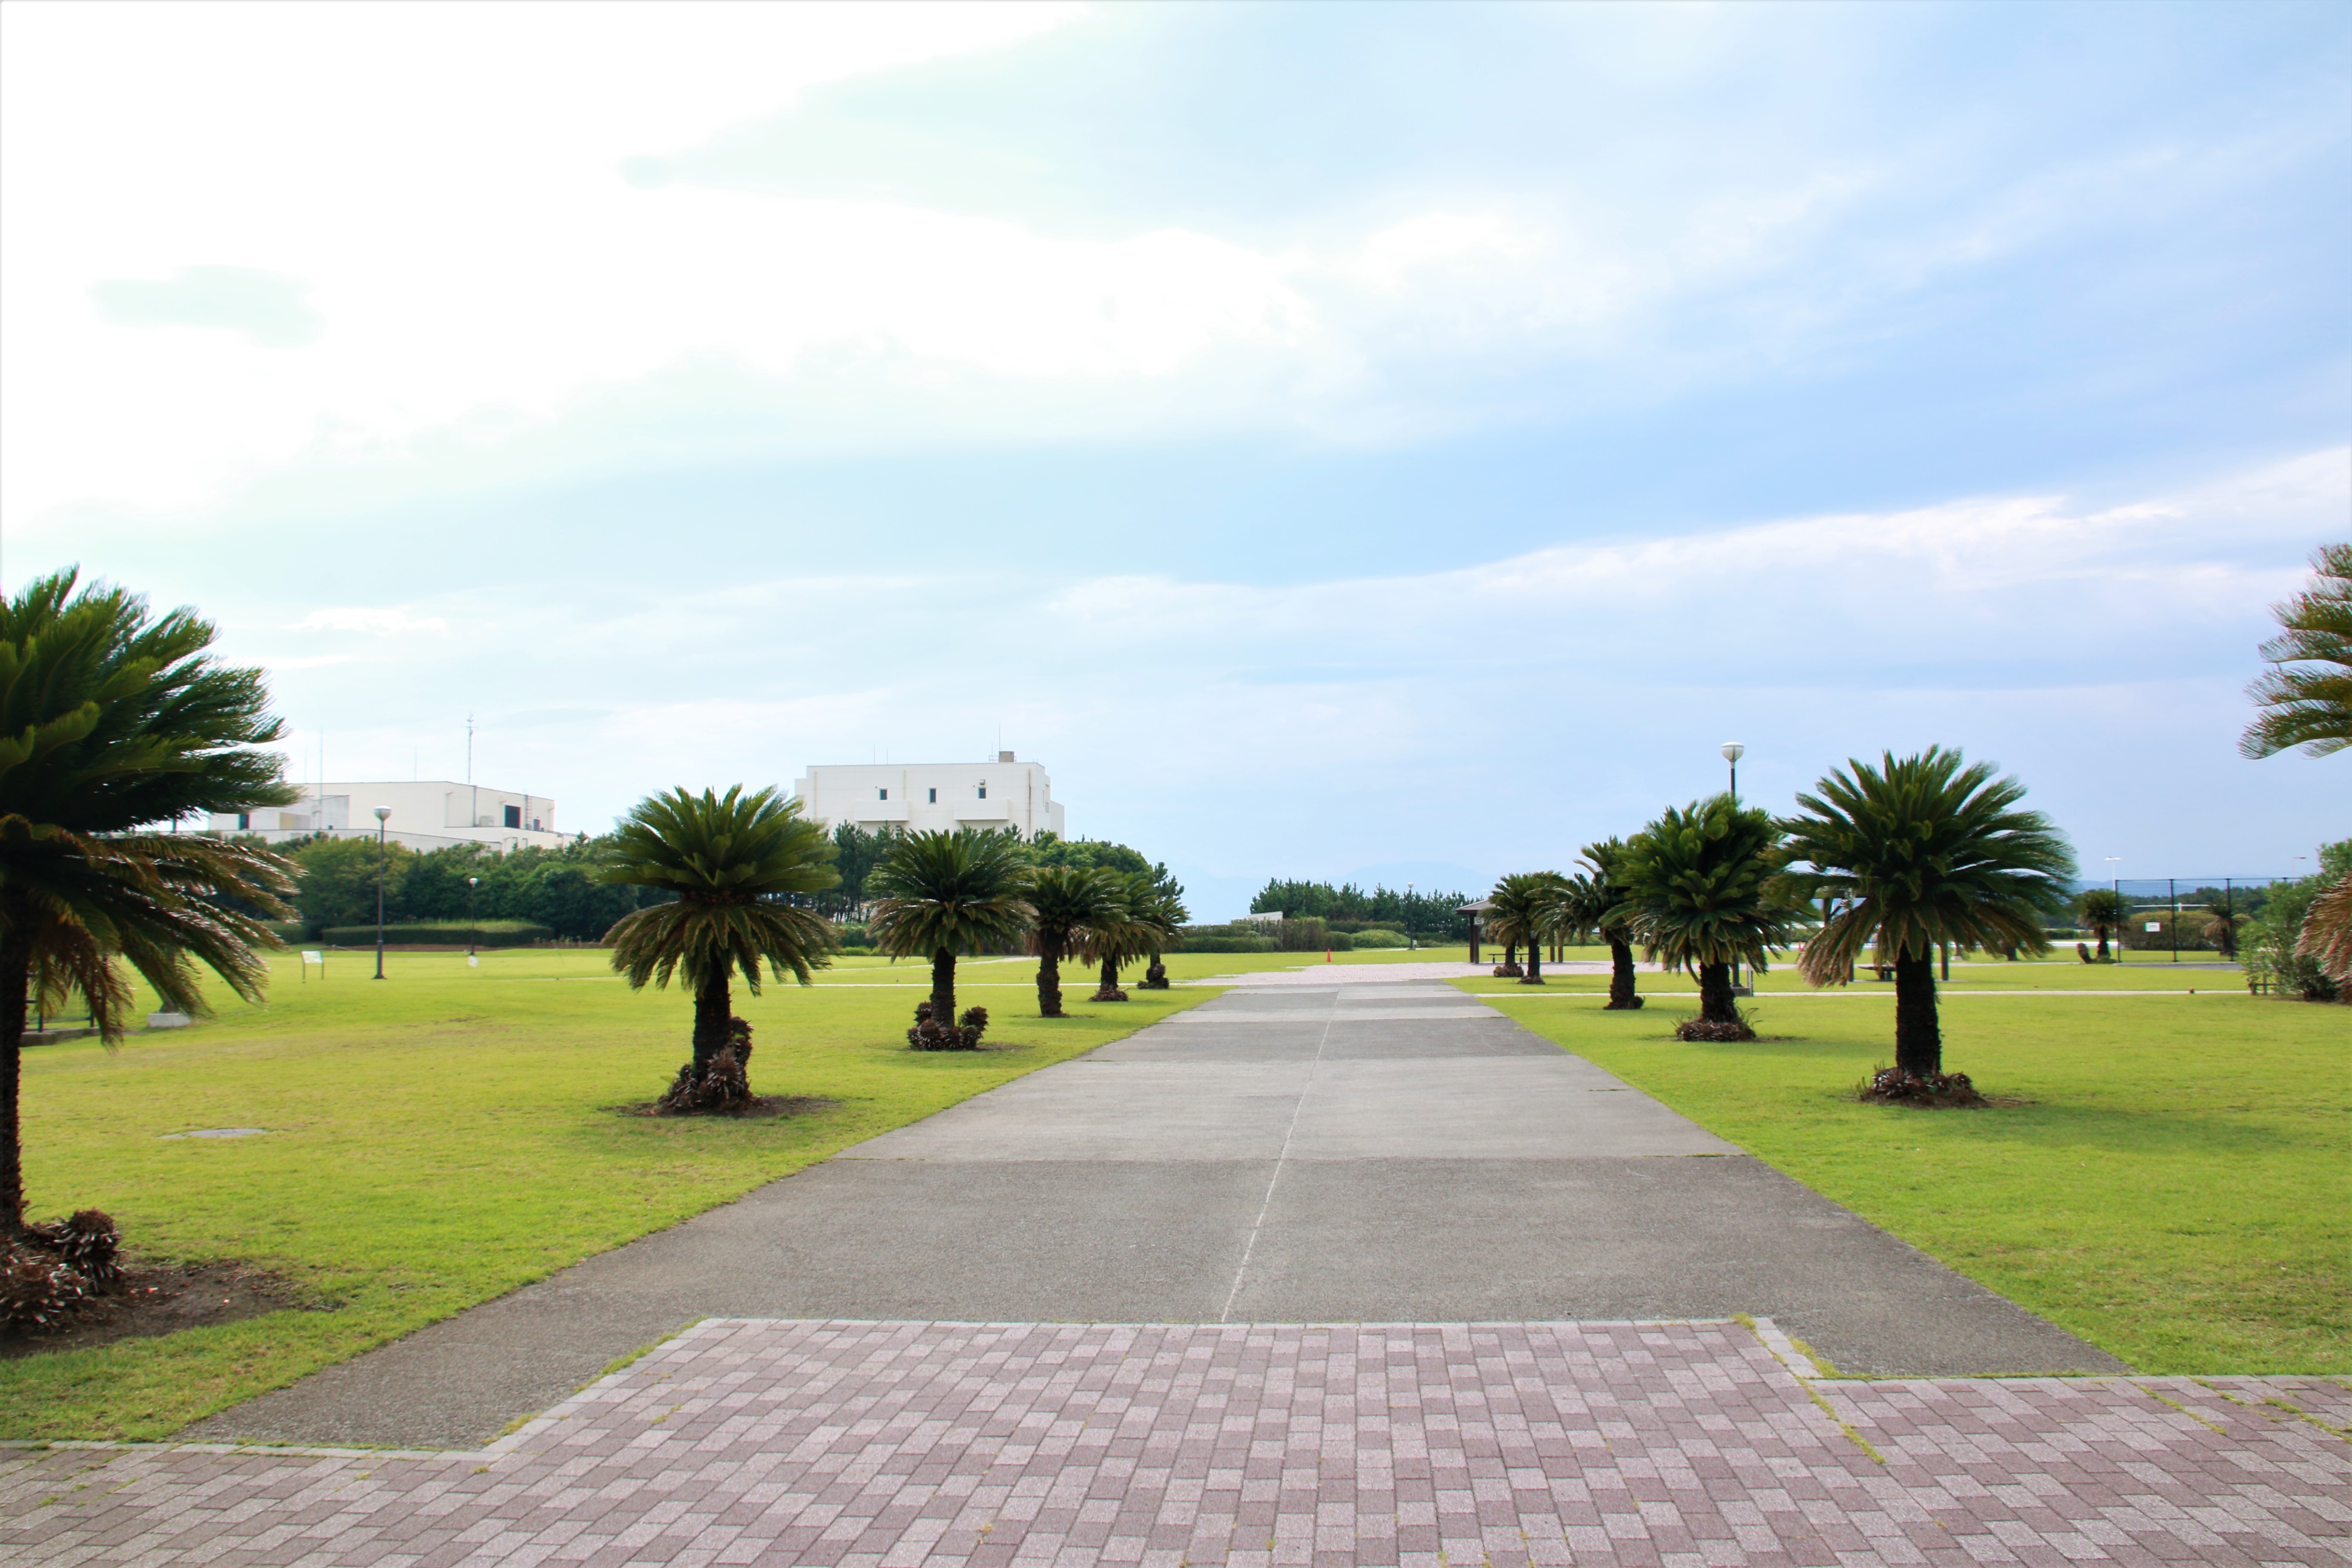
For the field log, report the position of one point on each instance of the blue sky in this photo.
(1334, 439)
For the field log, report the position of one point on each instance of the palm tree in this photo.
(2307, 698)
(1700, 881)
(112, 720)
(2102, 909)
(943, 893)
(1069, 901)
(2326, 935)
(1613, 921)
(1920, 851)
(1162, 913)
(1136, 921)
(1527, 912)
(732, 861)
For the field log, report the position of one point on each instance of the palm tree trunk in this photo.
(1109, 976)
(15, 985)
(1621, 977)
(1049, 983)
(2103, 942)
(943, 1011)
(1918, 1038)
(1716, 1004)
(1534, 976)
(713, 1007)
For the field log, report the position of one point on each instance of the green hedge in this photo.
(489, 933)
(1189, 942)
(1378, 938)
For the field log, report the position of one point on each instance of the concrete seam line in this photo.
(1266, 1204)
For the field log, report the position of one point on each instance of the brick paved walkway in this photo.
(824, 1442)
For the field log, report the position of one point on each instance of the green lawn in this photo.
(445, 1136)
(2176, 1191)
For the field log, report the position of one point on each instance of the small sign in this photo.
(318, 958)
(473, 962)
(2156, 925)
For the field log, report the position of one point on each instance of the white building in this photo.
(428, 813)
(918, 797)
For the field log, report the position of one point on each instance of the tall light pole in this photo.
(382, 815)
(2115, 886)
(1410, 946)
(473, 925)
(1732, 752)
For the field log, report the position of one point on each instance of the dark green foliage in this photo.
(1082, 854)
(941, 894)
(2307, 697)
(1701, 883)
(2101, 913)
(1919, 853)
(1222, 938)
(111, 721)
(445, 933)
(1430, 917)
(558, 888)
(2272, 946)
(735, 863)
(1604, 897)
(1530, 909)
(1069, 902)
(857, 853)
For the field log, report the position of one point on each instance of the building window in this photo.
(884, 793)
(243, 820)
(935, 797)
(983, 791)
(514, 816)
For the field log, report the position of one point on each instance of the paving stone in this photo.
(760, 1441)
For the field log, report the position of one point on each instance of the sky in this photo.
(1386, 442)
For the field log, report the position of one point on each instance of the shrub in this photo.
(489, 933)
(1378, 938)
(1736, 1028)
(928, 1034)
(1892, 1085)
(1221, 939)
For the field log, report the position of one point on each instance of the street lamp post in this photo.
(382, 815)
(1409, 946)
(2115, 885)
(473, 925)
(1732, 752)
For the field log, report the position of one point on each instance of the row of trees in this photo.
(1430, 917)
(743, 874)
(559, 889)
(1906, 856)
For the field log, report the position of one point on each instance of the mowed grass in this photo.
(2176, 1189)
(449, 1135)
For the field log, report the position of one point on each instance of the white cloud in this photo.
(379, 622)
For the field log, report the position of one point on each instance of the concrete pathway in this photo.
(1503, 1444)
(1371, 1152)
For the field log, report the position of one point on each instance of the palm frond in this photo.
(956, 892)
(2307, 698)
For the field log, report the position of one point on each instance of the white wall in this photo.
(426, 813)
(918, 797)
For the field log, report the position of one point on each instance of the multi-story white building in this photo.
(918, 797)
(428, 813)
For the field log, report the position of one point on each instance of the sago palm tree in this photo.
(110, 721)
(1920, 851)
(2102, 909)
(2307, 697)
(1614, 922)
(947, 894)
(1527, 912)
(2326, 935)
(1140, 918)
(1701, 883)
(1068, 902)
(733, 861)
(1162, 912)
